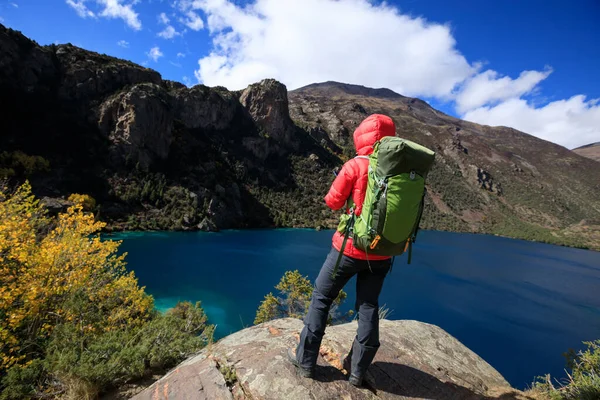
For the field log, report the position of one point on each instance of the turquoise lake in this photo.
(517, 304)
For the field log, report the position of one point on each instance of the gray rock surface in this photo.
(203, 107)
(139, 124)
(87, 76)
(267, 103)
(416, 361)
(23, 64)
(225, 208)
(56, 205)
(208, 225)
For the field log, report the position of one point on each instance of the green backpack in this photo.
(393, 204)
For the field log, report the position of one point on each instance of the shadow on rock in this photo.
(329, 374)
(405, 381)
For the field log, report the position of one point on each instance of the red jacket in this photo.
(352, 179)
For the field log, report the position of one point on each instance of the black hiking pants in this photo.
(369, 280)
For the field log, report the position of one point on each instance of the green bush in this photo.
(83, 364)
(20, 164)
(111, 358)
(22, 381)
(584, 379)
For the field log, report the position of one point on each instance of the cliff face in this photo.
(158, 155)
(415, 360)
(155, 154)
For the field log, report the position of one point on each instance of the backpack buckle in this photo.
(406, 246)
(412, 175)
(374, 242)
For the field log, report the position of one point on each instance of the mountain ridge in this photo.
(349, 88)
(591, 151)
(587, 145)
(158, 155)
(360, 90)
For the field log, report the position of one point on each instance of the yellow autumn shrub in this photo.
(85, 200)
(43, 262)
(73, 321)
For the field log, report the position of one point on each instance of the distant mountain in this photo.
(336, 89)
(158, 155)
(487, 179)
(590, 151)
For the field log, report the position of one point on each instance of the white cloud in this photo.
(355, 41)
(192, 21)
(180, 55)
(123, 43)
(487, 88)
(163, 19)
(1, 19)
(492, 100)
(111, 9)
(115, 9)
(572, 123)
(155, 54)
(15, 5)
(175, 64)
(189, 17)
(80, 8)
(372, 43)
(168, 33)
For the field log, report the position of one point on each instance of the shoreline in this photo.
(197, 231)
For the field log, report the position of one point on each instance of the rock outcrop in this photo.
(56, 205)
(23, 64)
(267, 103)
(86, 77)
(138, 122)
(416, 361)
(205, 108)
(224, 209)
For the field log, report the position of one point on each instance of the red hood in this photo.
(372, 129)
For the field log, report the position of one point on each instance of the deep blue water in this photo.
(517, 304)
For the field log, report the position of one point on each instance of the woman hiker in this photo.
(370, 271)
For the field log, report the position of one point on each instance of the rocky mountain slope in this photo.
(486, 179)
(158, 155)
(590, 151)
(153, 153)
(416, 360)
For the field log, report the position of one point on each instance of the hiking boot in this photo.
(366, 381)
(303, 372)
(355, 380)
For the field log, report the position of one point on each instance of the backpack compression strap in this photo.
(413, 237)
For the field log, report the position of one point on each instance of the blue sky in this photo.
(530, 64)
